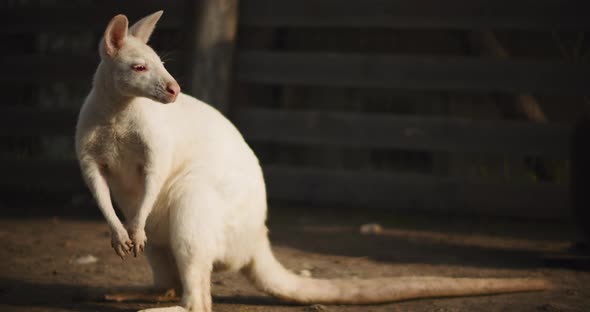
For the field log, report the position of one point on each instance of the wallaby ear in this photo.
(143, 28)
(115, 34)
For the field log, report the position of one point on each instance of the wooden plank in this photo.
(412, 72)
(37, 122)
(51, 174)
(210, 52)
(450, 14)
(411, 192)
(579, 172)
(62, 16)
(347, 70)
(447, 134)
(453, 135)
(392, 191)
(571, 258)
(48, 68)
(33, 68)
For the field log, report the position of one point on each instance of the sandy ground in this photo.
(38, 269)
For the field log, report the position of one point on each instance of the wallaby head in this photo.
(133, 67)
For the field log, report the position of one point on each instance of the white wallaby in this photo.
(182, 173)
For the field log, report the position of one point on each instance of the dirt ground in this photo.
(39, 271)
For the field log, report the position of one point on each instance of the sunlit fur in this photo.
(185, 179)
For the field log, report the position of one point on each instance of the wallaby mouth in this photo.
(168, 99)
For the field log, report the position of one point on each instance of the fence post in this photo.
(213, 26)
(580, 177)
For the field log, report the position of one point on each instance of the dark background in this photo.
(460, 126)
(466, 107)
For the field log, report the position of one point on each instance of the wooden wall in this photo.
(456, 107)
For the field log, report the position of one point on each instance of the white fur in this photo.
(185, 179)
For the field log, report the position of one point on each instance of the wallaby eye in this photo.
(139, 68)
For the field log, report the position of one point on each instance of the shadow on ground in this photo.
(90, 299)
(433, 240)
(407, 251)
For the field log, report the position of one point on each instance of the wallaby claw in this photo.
(138, 248)
(121, 243)
(120, 251)
(139, 240)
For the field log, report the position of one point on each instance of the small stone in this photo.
(371, 229)
(88, 259)
(305, 273)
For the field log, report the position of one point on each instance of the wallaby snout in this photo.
(172, 89)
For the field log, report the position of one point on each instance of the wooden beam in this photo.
(37, 122)
(36, 68)
(338, 70)
(412, 72)
(51, 174)
(526, 104)
(88, 16)
(453, 14)
(580, 169)
(377, 190)
(210, 53)
(413, 192)
(450, 14)
(46, 68)
(454, 135)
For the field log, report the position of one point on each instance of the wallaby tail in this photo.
(271, 277)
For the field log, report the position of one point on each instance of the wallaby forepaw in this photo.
(121, 242)
(139, 240)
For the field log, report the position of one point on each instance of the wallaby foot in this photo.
(164, 269)
(166, 309)
(143, 296)
(191, 251)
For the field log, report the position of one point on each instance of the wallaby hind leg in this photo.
(166, 285)
(196, 281)
(192, 237)
(194, 241)
(164, 268)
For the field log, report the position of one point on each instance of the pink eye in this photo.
(139, 68)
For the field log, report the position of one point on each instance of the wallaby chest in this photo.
(119, 145)
(120, 148)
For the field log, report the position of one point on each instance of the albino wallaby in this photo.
(182, 173)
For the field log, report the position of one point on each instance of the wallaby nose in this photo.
(173, 88)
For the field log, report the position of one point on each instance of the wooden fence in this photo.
(278, 68)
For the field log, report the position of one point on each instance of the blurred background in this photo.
(397, 137)
(461, 107)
